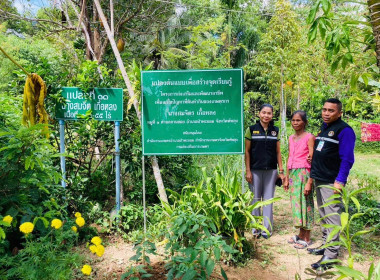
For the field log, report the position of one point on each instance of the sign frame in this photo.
(241, 115)
(90, 104)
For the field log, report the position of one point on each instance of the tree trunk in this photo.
(156, 168)
(283, 108)
(96, 37)
(374, 13)
(298, 97)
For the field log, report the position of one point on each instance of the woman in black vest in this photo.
(262, 156)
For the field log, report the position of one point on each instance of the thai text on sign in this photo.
(103, 104)
(192, 112)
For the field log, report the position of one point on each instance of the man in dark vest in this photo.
(332, 160)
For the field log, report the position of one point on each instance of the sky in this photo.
(30, 5)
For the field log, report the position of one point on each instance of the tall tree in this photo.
(374, 14)
(352, 36)
(156, 168)
(278, 57)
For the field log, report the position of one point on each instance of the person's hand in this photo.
(286, 184)
(309, 158)
(248, 176)
(307, 189)
(338, 186)
(282, 177)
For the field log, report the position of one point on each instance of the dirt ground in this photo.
(275, 259)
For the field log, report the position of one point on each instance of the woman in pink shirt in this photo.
(301, 145)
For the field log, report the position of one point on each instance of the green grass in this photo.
(366, 164)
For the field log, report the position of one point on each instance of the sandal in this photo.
(293, 239)
(302, 244)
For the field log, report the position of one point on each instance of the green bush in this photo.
(43, 258)
(130, 221)
(221, 200)
(193, 250)
(29, 178)
(347, 235)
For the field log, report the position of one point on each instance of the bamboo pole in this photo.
(14, 61)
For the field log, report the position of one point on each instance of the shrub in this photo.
(193, 250)
(46, 252)
(221, 200)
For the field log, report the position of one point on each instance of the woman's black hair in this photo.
(269, 106)
(302, 115)
(266, 105)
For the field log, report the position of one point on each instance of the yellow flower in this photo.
(93, 249)
(96, 240)
(80, 221)
(8, 219)
(86, 269)
(74, 228)
(163, 242)
(99, 250)
(56, 223)
(289, 83)
(27, 227)
(77, 215)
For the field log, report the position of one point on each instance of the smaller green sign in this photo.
(105, 104)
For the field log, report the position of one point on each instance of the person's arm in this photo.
(247, 155)
(346, 154)
(279, 161)
(286, 182)
(310, 145)
(308, 187)
(309, 183)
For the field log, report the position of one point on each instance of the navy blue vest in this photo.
(263, 147)
(326, 161)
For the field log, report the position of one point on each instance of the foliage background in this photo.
(259, 36)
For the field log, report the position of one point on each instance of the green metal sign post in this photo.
(192, 112)
(103, 104)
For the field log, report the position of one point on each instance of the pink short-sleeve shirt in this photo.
(298, 152)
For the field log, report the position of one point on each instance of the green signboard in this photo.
(192, 112)
(106, 104)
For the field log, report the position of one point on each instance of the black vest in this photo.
(326, 161)
(263, 147)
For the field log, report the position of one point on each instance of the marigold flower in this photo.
(93, 249)
(80, 221)
(86, 269)
(96, 240)
(27, 227)
(100, 250)
(56, 223)
(8, 219)
(77, 215)
(74, 228)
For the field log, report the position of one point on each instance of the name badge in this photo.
(320, 145)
